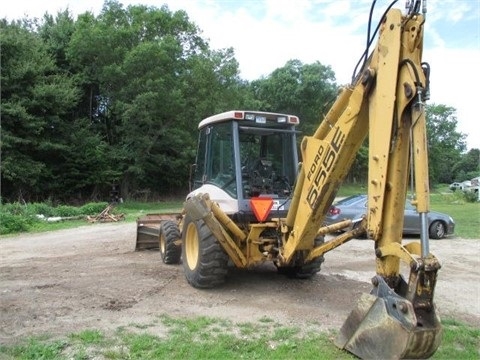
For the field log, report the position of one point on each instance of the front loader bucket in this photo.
(386, 326)
(148, 230)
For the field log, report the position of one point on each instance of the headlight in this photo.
(261, 119)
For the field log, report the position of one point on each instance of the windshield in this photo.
(267, 160)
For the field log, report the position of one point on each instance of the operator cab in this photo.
(245, 155)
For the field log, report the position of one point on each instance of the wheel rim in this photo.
(440, 230)
(162, 244)
(191, 246)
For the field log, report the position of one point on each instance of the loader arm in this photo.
(385, 102)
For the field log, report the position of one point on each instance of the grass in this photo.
(133, 210)
(466, 214)
(19, 218)
(213, 338)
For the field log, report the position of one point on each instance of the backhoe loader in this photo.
(252, 201)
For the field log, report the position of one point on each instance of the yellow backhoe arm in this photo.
(386, 102)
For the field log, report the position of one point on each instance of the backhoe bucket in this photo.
(386, 326)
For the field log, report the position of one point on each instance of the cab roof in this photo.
(258, 117)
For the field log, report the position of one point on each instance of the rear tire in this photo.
(169, 235)
(306, 270)
(205, 262)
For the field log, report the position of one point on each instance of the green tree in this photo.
(118, 97)
(36, 99)
(467, 167)
(306, 90)
(445, 144)
(112, 98)
(56, 33)
(150, 78)
(214, 83)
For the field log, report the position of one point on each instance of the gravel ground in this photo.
(90, 277)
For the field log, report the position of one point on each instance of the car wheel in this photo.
(437, 230)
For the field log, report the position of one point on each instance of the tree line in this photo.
(115, 100)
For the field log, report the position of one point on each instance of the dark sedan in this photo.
(354, 207)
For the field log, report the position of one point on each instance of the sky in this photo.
(265, 34)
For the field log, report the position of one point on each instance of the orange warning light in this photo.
(261, 207)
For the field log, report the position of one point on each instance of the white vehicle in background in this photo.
(475, 186)
(464, 185)
(472, 185)
(455, 185)
(475, 183)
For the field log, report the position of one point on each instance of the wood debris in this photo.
(106, 216)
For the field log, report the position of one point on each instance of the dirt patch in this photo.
(91, 277)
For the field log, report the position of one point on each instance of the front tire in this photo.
(305, 270)
(170, 250)
(437, 230)
(204, 260)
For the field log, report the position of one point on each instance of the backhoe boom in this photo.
(387, 103)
